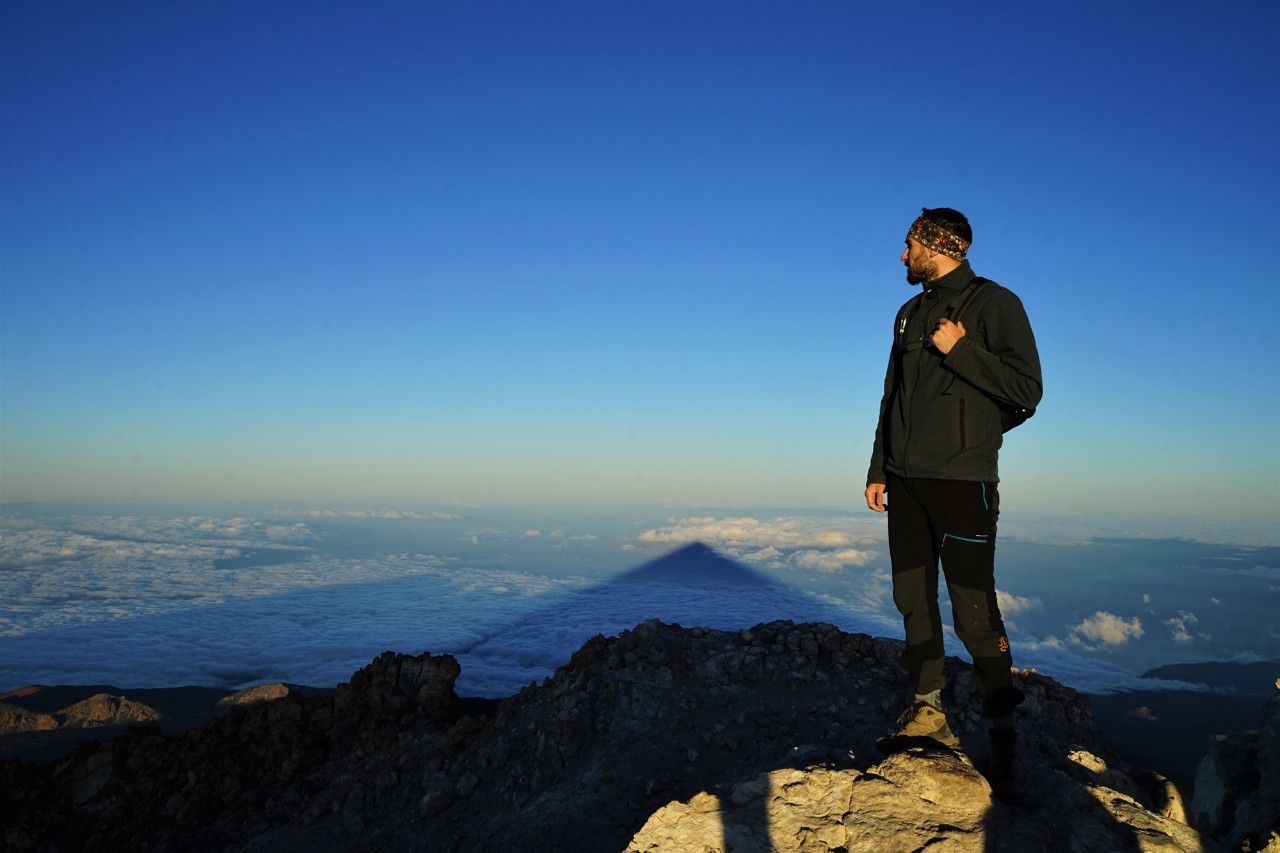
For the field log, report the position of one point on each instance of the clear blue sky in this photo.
(613, 252)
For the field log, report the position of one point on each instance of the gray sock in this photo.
(934, 698)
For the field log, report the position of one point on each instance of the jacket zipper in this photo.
(911, 398)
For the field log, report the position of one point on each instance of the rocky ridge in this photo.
(98, 711)
(663, 738)
(1237, 791)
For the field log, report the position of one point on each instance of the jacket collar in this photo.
(952, 282)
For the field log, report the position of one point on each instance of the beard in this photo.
(922, 271)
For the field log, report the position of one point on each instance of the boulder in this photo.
(1237, 789)
(104, 709)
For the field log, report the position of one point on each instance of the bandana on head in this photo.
(933, 237)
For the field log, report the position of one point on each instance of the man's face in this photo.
(920, 267)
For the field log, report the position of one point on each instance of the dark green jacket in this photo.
(938, 418)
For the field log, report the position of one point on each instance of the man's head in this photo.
(936, 244)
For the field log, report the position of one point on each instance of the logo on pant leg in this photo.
(1003, 645)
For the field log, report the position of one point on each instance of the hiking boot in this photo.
(920, 721)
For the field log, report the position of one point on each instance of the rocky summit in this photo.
(661, 739)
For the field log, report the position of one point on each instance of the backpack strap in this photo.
(973, 288)
(1010, 415)
(970, 291)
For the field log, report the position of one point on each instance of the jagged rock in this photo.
(97, 711)
(103, 709)
(395, 684)
(779, 720)
(14, 719)
(265, 765)
(1162, 793)
(260, 693)
(1237, 791)
(908, 802)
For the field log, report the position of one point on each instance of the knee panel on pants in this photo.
(975, 611)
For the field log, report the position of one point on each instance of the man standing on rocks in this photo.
(951, 383)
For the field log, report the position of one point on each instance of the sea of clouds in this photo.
(308, 597)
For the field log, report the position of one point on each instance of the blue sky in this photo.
(624, 252)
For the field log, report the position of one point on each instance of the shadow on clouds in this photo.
(506, 629)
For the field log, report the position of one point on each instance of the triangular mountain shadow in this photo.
(695, 565)
(693, 586)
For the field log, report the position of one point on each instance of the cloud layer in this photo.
(145, 602)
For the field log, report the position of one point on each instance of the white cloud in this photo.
(873, 594)
(1261, 572)
(1055, 658)
(1107, 629)
(1015, 605)
(768, 554)
(829, 561)
(1055, 643)
(1181, 626)
(747, 532)
(140, 541)
(806, 543)
(821, 561)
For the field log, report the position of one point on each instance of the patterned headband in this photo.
(934, 238)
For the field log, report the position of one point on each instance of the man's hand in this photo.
(875, 497)
(946, 334)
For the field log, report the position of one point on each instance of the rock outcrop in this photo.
(1237, 791)
(662, 738)
(14, 719)
(913, 800)
(253, 695)
(103, 709)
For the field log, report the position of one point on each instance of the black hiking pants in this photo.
(952, 522)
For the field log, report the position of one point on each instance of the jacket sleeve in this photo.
(875, 471)
(999, 357)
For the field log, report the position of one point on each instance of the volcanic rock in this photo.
(103, 709)
(1237, 792)
(15, 719)
(662, 738)
(253, 695)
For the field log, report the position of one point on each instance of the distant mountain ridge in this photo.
(1259, 678)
